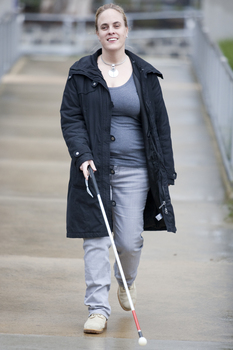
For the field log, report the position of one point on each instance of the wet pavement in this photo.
(185, 284)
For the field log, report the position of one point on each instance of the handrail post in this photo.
(9, 41)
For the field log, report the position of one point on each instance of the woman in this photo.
(114, 119)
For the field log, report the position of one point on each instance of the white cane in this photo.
(142, 341)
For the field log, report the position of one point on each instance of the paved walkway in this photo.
(185, 284)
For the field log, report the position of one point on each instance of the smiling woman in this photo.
(114, 120)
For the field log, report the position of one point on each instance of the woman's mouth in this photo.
(112, 39)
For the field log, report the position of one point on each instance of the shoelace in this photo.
(130, 288)
(97, 315)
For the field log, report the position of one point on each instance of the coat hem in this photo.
(85, 235)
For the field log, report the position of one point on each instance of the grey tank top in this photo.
(127, 145)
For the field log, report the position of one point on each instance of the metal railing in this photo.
(216, 78)
(66, 34)
(9, 41)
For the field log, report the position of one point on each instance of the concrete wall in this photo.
(7, 6)
(218, 18)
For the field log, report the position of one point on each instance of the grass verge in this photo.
(227, 48)
(230, 206)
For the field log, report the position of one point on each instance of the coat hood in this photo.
(88, 65)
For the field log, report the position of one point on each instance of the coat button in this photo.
(113, 203)
(94, 84)
(77, 153)
(112, 171)
(113, 138)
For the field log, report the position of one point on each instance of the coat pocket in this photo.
(84, 218)
(76, 176)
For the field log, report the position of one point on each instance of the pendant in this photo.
(113, 72)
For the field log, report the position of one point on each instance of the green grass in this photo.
(230, 206)
(227, 48)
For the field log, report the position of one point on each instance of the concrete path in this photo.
(185, 284)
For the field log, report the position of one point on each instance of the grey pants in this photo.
(129, 188)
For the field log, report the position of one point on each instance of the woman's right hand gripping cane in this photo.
(84, 168)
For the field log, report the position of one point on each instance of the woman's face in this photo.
(112, 31)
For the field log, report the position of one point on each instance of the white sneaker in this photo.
(123, 299)
(96, 323)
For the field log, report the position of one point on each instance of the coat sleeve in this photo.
(73, 124)
(164, 131)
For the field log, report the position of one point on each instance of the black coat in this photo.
(86, 120)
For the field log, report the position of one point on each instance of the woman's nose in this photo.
(111, 30)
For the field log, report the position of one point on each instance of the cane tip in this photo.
(142, 341)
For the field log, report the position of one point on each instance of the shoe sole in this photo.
(94, 331)
(123, 307)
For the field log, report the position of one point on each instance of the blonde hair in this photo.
(105, 7)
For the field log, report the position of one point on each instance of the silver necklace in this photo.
(113, 72)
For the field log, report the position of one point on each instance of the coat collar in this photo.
(142, 64)
(87, 65)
